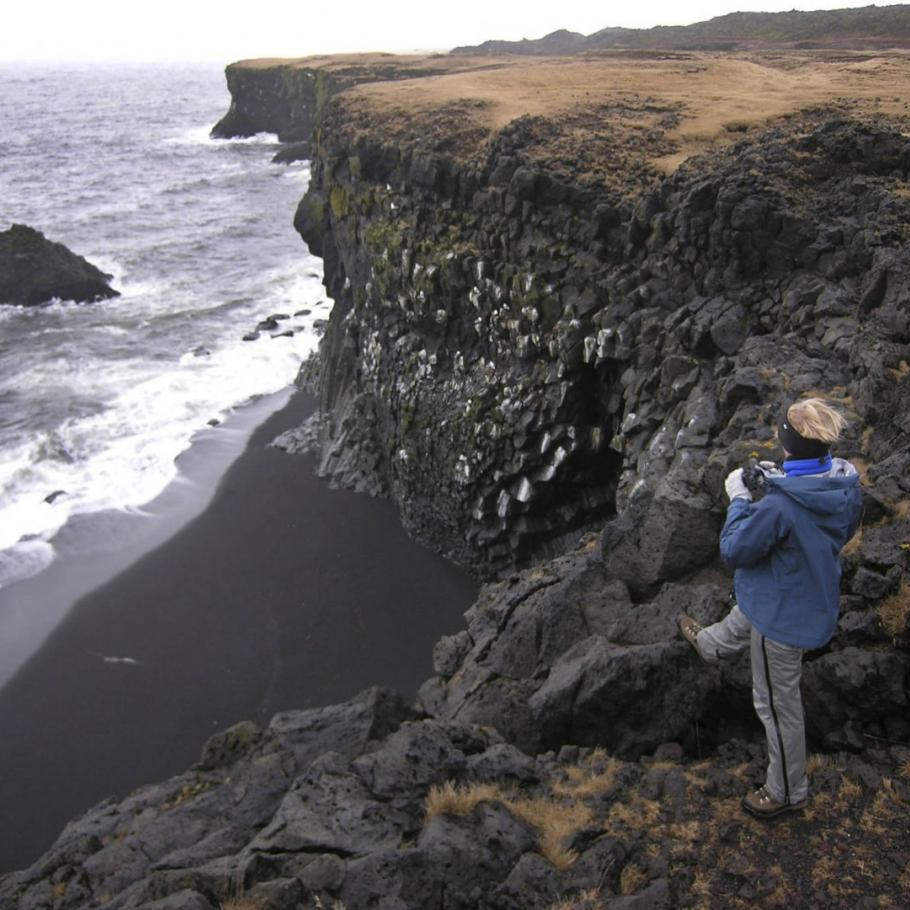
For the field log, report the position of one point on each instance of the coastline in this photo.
(92, 549)
(280, 594)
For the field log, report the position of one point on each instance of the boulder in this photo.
(35, 270)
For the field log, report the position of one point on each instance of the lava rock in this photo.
(298, 151)
(35, 270)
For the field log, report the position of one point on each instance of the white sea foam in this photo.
(258, 139)
(201, 135)
(196, 135)
(125, 455)
(25, 560)
(98, 400)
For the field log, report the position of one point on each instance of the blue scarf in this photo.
(800, 467)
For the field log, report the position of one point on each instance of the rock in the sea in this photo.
(298, 151)
(35, 270)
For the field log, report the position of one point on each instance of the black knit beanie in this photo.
(799, 446)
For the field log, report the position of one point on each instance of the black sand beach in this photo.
(282, 594)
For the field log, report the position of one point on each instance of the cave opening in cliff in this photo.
(585, 496)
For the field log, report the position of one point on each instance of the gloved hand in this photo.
(736, 486)
(771, 469)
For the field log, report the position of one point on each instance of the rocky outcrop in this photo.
(366, 804)
(563, 653)
(288, 97)
(280, 100)
(35, 270)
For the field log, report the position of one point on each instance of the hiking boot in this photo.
(762, 804)
(690, 629)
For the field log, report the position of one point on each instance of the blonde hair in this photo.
(814, 418)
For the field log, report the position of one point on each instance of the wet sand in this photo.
(282, 594)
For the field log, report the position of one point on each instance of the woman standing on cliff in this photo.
(785, 550)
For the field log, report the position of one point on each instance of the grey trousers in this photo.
(776, 673)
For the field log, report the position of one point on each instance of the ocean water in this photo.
(97, 400)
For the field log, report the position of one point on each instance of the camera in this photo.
(755, 476)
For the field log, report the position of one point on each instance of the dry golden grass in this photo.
(820, 807)
(556, 821)
(849, 790)
(824, 870)
(335, 62)
(701, 889)
(452, 799)
(710, 90)
(631, 879)
(591, 779)
(833, 850)
(635, 812)
(878, 817)
(589, 899)
(894, 611)
(335, 905)
(903, 368)
(855, 542)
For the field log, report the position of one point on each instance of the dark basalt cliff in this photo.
(287, 97)
(35, 270)
(550, 361)
(517, 353)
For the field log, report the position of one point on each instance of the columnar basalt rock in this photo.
(513, 357)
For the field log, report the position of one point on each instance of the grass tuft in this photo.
(894, 611)
(816, 762)
(632, 879)
(591, 899)
(583, 782)
(555, 820)
(849, 790)
(452, 799)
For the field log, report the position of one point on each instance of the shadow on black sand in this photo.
(282, 594)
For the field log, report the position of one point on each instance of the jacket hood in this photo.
(824, 494)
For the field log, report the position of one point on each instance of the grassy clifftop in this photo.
(618, 118)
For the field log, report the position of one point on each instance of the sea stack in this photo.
(35, 270)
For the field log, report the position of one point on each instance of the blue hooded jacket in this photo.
(785, 551)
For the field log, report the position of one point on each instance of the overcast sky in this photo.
(226, 30)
